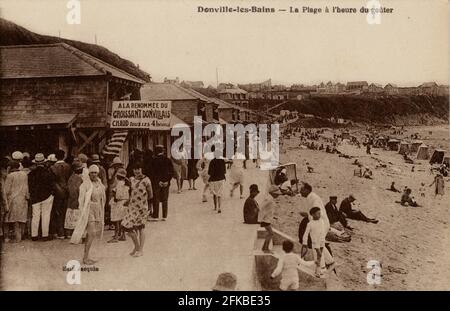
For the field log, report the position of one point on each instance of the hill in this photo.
(12, 34)
(398, 110)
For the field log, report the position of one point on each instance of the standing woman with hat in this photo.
(92, 201)
(118, 203)
(17, 195)
(137, 211)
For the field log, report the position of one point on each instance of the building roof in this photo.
(357, 83)
(390, 85)
(31, 119)
(232, 91)
(54, 60)
(429, 84)
(164, 91)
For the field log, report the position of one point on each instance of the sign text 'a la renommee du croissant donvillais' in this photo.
(135, 114)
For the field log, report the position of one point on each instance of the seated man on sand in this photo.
(336, 217)
(407, 199)
(367, 173)
(349, 212)
(392, 188)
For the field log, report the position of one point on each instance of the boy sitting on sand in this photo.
(288, 267)
(316, 230)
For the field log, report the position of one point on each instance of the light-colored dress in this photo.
(137, 211)
(91, 202)
(121, 196)
(16, 190)
(237, 169)
(180, 166)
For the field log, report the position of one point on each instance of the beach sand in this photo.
(412, 244)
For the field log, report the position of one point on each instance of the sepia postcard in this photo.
(212, 145)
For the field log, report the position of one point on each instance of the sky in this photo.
(171, 39)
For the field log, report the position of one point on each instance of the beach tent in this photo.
(404, 148)
(422, 152)
(393, 144)
(446, 161)
(437, 157)
(414, 147)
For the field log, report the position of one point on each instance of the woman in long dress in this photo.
(439, 185)
(17, 195)
(92, 201)
(137, 211)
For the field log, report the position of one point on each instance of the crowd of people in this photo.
(59, 197)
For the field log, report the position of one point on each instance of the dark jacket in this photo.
(346, 207)
(62, 172)
(251, 211)
(41, 184)
(217, 170)
(162, 169)
(334, 215)
(301, 231)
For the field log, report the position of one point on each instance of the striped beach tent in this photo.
(115, 143)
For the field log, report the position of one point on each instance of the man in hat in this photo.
(40, 183)
(251, 206)
(225, 282)
(61, 170)
(349, 212)
(51, 160)
(17, 156)
(102, 174)
(335, 216)
(162, 174)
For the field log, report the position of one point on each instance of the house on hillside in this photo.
(429, 88)
(357, 86)
(375, 88)
(235, 96)
(391, 89)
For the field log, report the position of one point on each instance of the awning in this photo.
(29, 121)
(115, 143)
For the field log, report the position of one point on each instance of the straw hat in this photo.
(39, 158)
(52, 158)
(225, 282)
(17, 155)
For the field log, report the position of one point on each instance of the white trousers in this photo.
(41, 211)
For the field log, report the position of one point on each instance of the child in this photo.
(315, 229)
(265, 216)
(422, 190)
(118, 203)
(287, 266)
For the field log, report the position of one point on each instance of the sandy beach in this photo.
(410, 243)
